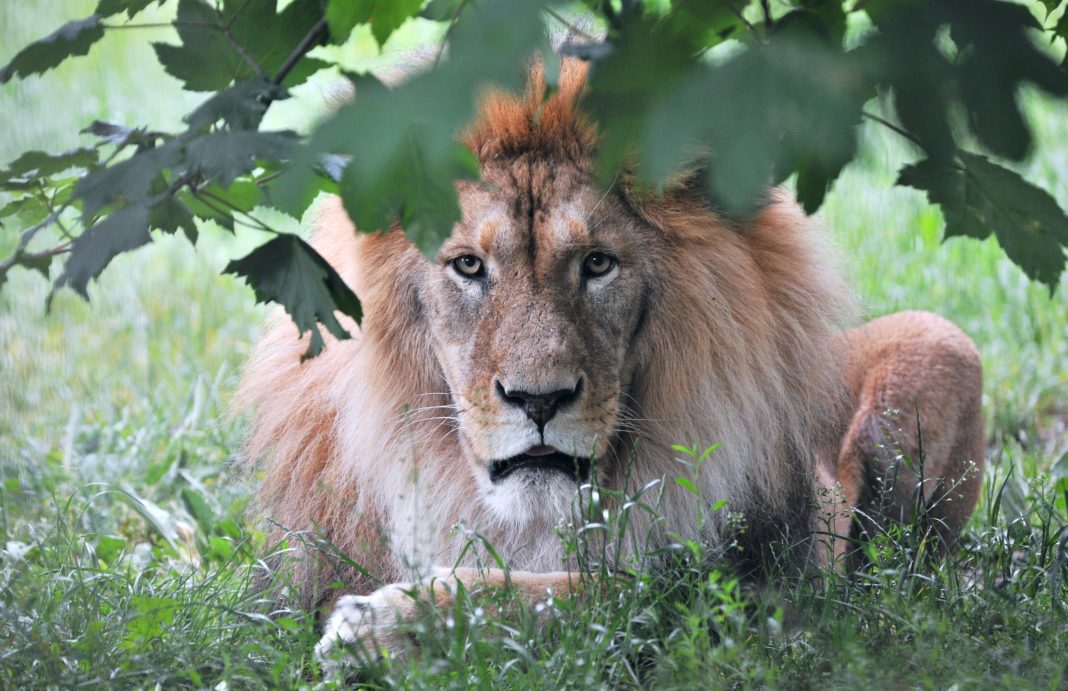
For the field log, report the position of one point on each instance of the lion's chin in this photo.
(535, 487)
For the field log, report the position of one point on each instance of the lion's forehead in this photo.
(554, 231)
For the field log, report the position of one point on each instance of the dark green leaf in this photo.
(1061, 29)
(998, 56)
(793, 107)
(442, 10)
(122, 231)
(415, 191)
(821, 19)
(73, 38)
(225, 156)
(170, 215)
(128, 180)
(107, 8)
(289, 271)
(407, 133)
(207, 210)
(979, 197)
(120, 135)
(28, 210)
(241, 106)
(384, 16)
(40, 164)
(207, 59)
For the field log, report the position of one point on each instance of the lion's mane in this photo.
(735, 348)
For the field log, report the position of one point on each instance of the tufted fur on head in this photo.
(712, 332)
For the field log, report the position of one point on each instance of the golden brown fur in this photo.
(915, 383)
(704, 332)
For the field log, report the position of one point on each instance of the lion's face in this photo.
(534, 304)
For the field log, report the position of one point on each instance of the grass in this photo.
(127, 555)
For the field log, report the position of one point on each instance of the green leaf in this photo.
(170, 215)
(73, 38)
(442, 10)
(207, 59)
(129, 180)
(199, 509)
(384, 16)
(289, 271)
(225, 156)
(979, 197)
(39, 164)
(107, 8)
(28, 210)
(997, 56)
(93, 250)
(150, 618)
(793, 107)
(108, 547)
(413, 189)
(687, 485)
(240, 106)
(120, 135)
(405, 161)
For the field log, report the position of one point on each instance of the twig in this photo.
(766, 7)
(254, 222)
(610, 15)
(448, 31)
(300, 51)
(20, 255)
(570, 27)
(900, 130)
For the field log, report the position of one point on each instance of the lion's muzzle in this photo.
(540, 407)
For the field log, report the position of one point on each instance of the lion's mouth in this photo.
(542, 458)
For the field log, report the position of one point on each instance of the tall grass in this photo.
(127, 556)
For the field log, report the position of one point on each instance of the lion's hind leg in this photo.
(913, 452)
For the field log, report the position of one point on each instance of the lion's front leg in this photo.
(380, 620)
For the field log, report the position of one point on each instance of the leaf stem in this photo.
(230, 21)
(448, 30)
(896, 128)
(243, 53)
(204, 196)
(163, 25)
(305, 45)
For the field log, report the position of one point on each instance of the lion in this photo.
(567, 336)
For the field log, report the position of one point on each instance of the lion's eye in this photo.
(469, 266)
(598, 264)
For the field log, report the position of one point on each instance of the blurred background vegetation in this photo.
(131, 388)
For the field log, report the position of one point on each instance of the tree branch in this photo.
(302, 49)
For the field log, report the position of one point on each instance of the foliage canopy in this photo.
(750, 93)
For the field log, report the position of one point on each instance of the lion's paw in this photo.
(368, 621)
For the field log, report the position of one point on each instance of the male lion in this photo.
(569, 334)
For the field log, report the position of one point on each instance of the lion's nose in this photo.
(540, 407)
